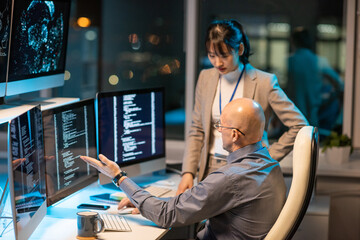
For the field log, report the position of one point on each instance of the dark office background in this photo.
(140, 43)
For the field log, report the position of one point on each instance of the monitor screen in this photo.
(5, 21)
(4, 182)
(3, 169)
(37, 45)
(69, 132)
(27, 172)
(132, 127)
(5, 208)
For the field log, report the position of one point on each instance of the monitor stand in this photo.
(14, 108)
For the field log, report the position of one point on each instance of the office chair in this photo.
(305, 155)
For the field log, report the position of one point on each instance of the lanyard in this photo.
(233, 94)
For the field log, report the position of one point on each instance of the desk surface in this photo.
(347, 169)
(12, 110)
(61, 219)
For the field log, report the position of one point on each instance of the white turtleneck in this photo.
(228, 83)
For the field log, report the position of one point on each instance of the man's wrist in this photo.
(117, 178)
(122, 179)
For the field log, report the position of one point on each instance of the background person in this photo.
(232, 77)
(241, 200)
(313, 84)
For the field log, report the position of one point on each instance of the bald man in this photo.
(240, 200)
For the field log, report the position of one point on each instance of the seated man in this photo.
(241, 200)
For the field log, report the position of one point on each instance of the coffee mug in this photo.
(89, 224)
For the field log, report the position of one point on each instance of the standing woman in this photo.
(232, 77)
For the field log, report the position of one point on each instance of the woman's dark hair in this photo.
(232, 34)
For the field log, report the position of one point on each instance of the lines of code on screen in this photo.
(131, 126)
(69, 133)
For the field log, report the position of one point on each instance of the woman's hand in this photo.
(187, 182)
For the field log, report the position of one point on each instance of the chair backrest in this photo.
(305, 155)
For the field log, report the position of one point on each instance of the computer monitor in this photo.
(37, 45)
(4, 182)
(27, 172)
(3, 168)
(132, 130)
(5, 20)
(5, 209)
(4, 191)
(69, 132)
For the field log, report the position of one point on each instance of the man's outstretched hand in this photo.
(105, 166)
(110, 169)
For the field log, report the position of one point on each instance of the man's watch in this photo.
(117, 177)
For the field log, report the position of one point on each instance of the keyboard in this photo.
(158, 191)
(114, 222)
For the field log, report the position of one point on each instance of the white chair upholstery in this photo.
(305, 155)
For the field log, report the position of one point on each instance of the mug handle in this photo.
(102, 228)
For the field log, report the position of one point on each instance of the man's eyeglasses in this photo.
(217, 126)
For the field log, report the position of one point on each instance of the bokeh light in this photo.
(83, 22)
(177, 63)
(165, 69)
(154, 39)
(91, 35)
(113, 80)
(134, 41)
(67, 75)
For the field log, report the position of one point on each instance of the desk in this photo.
(60, 223)
(331, 178)
(12, 110)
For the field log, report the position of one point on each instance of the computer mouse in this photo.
(127, 210)
(165, 183)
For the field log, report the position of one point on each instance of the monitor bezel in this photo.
(3, 82)
(2, 89)
(4, 173)
(40, 213)
(4, 194)
(100, 95)
(34, 84)
(65, 192)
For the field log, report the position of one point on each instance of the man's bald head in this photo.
(246, 115)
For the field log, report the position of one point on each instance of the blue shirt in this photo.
(241, 200)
